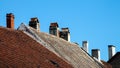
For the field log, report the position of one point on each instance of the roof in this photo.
(54, 24)
(114, 57)
(18, 50)
(69, 52)
(106, 65)
(115, 60)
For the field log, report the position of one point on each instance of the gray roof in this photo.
(68, 51)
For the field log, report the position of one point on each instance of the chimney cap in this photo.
(54, 24)
(10, 15)
(95, 49)
(85, 41)
(34, 19)
(111, 46)
(65, 29)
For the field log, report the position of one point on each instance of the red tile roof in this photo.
(18, 50)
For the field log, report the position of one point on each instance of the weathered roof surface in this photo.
(70, 52)
(18, 50)
(106, 65)
(115, 60)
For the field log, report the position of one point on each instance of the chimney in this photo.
(65, 34)
(111, 50)
(54, 29)
(96, 53)
(85, 46)
(34, 23)
(10, 20)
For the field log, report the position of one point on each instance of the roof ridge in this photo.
(29, 31)
(70, 52)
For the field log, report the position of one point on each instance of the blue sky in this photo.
(97, 21)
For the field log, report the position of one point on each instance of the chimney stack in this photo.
(65, 34)
(96, 53)
(85, 46)
(111, 50)
(10, 20)
(54, 29)
(34, 23)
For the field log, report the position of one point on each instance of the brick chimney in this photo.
(85, 46)
(10, 20)
(96, 53)
(34, 23)
(54, 29)
(65, 34)
(111, 50)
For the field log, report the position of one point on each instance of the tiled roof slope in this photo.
(115, 60)
(106, 65)
(18, 50)
(70, 52)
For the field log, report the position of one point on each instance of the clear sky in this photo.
(97, 21)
